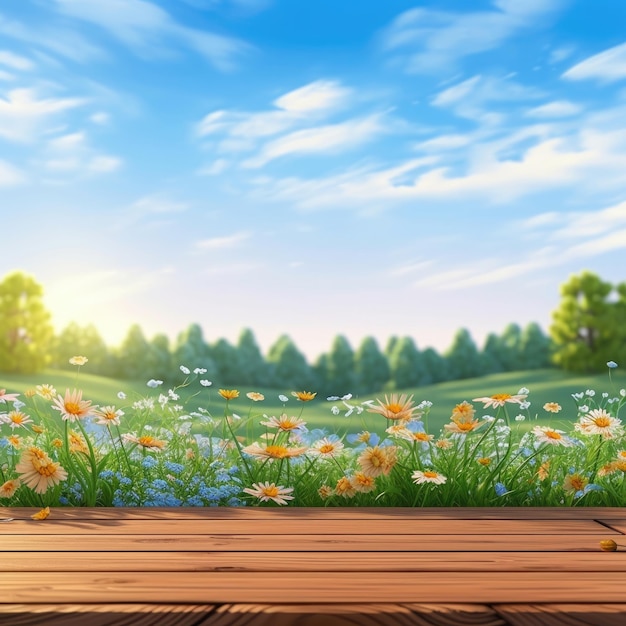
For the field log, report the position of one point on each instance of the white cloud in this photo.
(215, 168)
(10, 175)
(100, 118)
(148, 29)
(321, 95)
(332, 138)
(607, 67)
(6, 76)
(23, 116)
(410, 268)
(437, 40)
(233, 268)
(15, 61)
(221, 243)
(558, 108)
(444, 142)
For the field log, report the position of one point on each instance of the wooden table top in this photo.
(480, 566)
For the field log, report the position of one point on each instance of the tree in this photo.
(534, 348)
(160, 358)
(76, 340)
(463, 357)
(253, 369)
(511, 338)
(391, 344)
(435, 365)
(320, 375)
(492, 355)
(134, 355)
(371, 367)
(226, 358)
(25, 330)
(406, 366)
(340, 367)
(584, 327)
(289, 367)
(192, 351)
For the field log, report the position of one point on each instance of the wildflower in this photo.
(465, 410)
(418, 436)
(500, 489)
(273, 451)
(29, 393)
(283, 398)
(325, 492)
(15, 419)
(335, 410)
(463, 426)
(108, 415)
(146, 442)
(611, 364)
(8, 489)
(121, 395)
(398, 430)
(542, 473)
(15, 441)
(375, 461)
(429, 476)
(443, 444)
(545, 434)
(284, 422)
(266, 491)
(77, 443)
(56, 443)
(574, 483)
(255, 397)
(599, 422)
(345, 488)
(523, 391)
(206, 383)
(7, 397)
(484, 460)
(590, 393)
(325, 448)
(185, 370)
(500, 399)
(524, 405)
(78, 360)
(333, 398)
(552, 407)
(72, 407)
(304, 396)
(229, 394)
(38, 470)
(362, 482)
(41, 514)
(173, 395)
(520, 418)
(396, 408)
(153, 384)
(199, 370)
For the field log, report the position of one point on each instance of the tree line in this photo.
(589, 328)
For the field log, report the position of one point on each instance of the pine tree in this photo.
(340, 367)
(511, 338)
(493, 355)
(534, 348)
(436, 366)
(226, 358)
(371, 367)
(25, 331)
(289, 367)
(253, 368)
(406, 366)
(463, 357)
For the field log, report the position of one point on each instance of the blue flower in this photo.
(500, 489)
(611, 364)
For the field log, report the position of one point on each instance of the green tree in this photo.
(534, 348)
(226, 358)
(511, 338)
(289, 367)
(320, 374)
(391, 344)
(160, 358)
(584, 326)
(86, 341)
(134, 355)
(371, 367)
(253, 369)
(25, 330)
(492, 355)
(435, 365)
(192, 351)
(340, 367)
(463, 357)
(406, 366)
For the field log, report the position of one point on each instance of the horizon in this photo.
(311, 170)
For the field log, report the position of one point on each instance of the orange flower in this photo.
(72, 407)
(304, 396)
(229, 394)
(396, 408)
(500, 399)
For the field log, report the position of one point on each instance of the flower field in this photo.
(187, 446)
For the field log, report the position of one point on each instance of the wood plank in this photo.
(596, 614)
(304, 543)
(616, 524)
(597, 561)
(313, 587)
(340, 512)
(303, 527)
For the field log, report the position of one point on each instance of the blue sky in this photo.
(363, 168)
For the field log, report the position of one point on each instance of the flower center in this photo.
(394, 408)
(327, 447)
(602, 422)
(428, 474)
(271, 491)
(502, 396)
(72, 407)
(551, 434)
(278, 452)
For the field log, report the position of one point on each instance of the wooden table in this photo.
(333, 566)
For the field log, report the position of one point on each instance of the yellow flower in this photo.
(500, 399)
(304, 396)
(362, 482)
(15, 440)
(284, 423)
(542, 472)
(29, 393)
(574, 483)
(42, 514)
(78, 360)
(325, 448)
(345, 488)
(8, 489)
(443, 444)
(267, 491)
(273, 451)
(77, 443)
(72, 407)
(39, 471)
(146, 441)
(396, 408)
(229, 394)
(484, 460)
(375, 461)
(256, 397)
(325, 492)
(57, 443)
(465, 410)
(38, 429)
(552, 407)
(47, 392)
(429, 476)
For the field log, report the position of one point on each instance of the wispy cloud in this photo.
(10, 175)
(557, 108)
(24, 116)
(433, 41)
(221, 243)
(15, 61)
(150, 31)
(608, 66)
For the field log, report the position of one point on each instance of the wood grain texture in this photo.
(563, 614)
(596, 561)
(312, 587)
